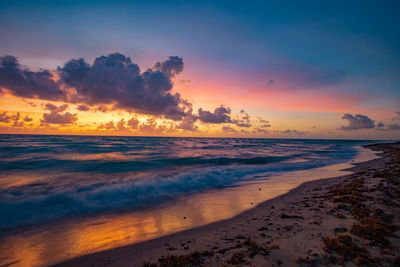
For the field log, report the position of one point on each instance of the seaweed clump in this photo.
(193, 259)
(347, 250)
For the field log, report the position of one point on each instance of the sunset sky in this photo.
(300, 69)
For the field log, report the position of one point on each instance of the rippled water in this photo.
(47, 178)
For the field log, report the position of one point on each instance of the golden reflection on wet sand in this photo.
(54, 243)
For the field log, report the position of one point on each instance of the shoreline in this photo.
(67, 239)
(217, 233)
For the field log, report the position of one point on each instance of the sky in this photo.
(293, 69)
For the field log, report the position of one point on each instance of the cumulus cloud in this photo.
(16, 120)
(133, 123)
(188, 123)
(4, 117)
(264, 123)
(357, 122)
(52, 107)
(115, 79)
(23, 82)
(149, 126)
(83, 107)
(291, 132)
(388, 127)
(221, 114)
(393, 127)
(380, 125)
(259, 130)
(121, 125)
(107, 126)
(244, 120)
(103, 108)
(111, 82)
(28, 119)
(171, 67)
(228, 129)
(56, 115)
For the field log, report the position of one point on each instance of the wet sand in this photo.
(319, 223)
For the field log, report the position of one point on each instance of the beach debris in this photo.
(286, 216)
(340, 229)
(348, 250)
(237, 258)
(193, 259)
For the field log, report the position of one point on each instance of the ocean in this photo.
(45, 178)
(52, 186)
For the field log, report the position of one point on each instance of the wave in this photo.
(117, 165)
(78, 176)
(132, 194)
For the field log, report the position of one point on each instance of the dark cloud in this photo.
(357, 122)
(83, 107)
(111, 82)
(56, 115)
(121, 125)
(291, 132)
(393, 127)
(264, 123)
(29, 103)
(149, 126)
(28, 119)
(244, 120)
(388, 127)
(25, 83)
(188, 122)
(259, 130)
(52, 107)
(133, 123)
(172, 66)
(107, 126)
(16, 120)
(103, 108)
(220, 115)
(228, 129)
(4, 117)
(115, 79)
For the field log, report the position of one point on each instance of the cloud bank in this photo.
(111, 81)
(23, 82)
(56, 115)
(357, 122)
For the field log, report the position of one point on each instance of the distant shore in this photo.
(353, 218)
